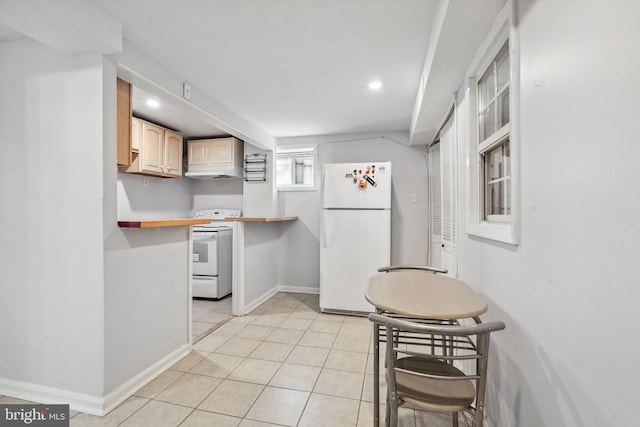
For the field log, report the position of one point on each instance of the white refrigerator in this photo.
(355, 232)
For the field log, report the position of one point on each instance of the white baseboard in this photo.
(51, 395)
(124, 391)
(299, 289)
(271, 292)
(83, 402)
(262, 298)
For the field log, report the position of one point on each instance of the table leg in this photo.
(376, 375)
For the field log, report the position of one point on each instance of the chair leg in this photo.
(387, 414)
(479, 415)
(394, 414)
(454, 419)
(391, 419)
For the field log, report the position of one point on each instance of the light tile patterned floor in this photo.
(284, 364)
(208, 314)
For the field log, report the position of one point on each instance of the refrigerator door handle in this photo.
(323, 231)
(323, 228)
(323, 187)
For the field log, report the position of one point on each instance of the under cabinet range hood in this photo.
(215, 173)
(214, 158)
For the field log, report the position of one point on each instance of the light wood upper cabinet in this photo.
(160, 152)
(136, 134)
(198, 152)
(214, 156)
(123, 91)
(222, 151)
(152, 149)
(144, 147)
(172, 153)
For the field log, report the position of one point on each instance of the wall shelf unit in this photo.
(255, 167)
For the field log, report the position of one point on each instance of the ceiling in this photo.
(8, 34)
(172, 114)
(292, 67)
(288, 67)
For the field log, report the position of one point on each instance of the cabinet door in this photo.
(222, 151)
(136, 133)
(198, 152)
(123, 99)
(152, 149)
(172, 153)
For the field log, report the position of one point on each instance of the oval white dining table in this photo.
(419, 294)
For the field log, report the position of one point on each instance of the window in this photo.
(296, 167)
(492, 173)
(493, 138)
(497, 188)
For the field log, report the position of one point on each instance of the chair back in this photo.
(438, 366)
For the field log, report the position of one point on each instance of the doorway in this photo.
(443, 198)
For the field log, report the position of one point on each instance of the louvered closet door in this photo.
(448, 165)
(435, 192)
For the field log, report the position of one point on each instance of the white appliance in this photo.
(355, 232)
(212, 254)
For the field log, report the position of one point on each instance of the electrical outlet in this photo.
(145, 181)
(414, 198)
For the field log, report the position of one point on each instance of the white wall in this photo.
(568, 292)
(260, 239)
(174, 198)
(159, 198)
(260, 260)
(146, 271)
(299, 249)
(260, 197)
(85, 306)
(217, 193)
(146, 299)
(51, 235)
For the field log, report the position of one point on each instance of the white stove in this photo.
(212, 256)
(217, 217)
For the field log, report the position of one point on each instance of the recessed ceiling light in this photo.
(375, 85)
(153, 103)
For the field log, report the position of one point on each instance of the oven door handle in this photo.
(204, 237)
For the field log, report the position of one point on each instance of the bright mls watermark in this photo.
(34, 415)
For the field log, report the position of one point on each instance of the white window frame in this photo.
(313, 149)
(501, 228)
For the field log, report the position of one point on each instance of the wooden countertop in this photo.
(262, 218)
(162, 223)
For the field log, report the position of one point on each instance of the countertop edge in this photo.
(161, 223)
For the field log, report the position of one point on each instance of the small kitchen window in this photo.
(296, 167)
